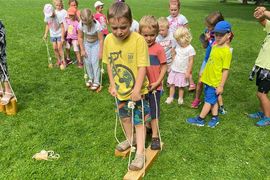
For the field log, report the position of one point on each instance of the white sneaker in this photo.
(180, 101)
(169, 100)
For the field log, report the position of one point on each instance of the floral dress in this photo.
(3, 56)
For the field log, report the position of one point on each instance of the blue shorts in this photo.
(154, 104)
(125, 112)
(55, 39)
(210, 95)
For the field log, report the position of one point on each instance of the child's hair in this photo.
(76, 2)
(58, 1)
(149, 22)
(87, 16)
(174, 2)
(182, 35)
(213, 18)
(119, 10)
(162, 21)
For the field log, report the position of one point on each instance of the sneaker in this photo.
(68, 61)
(94, 87)
(180, 101)
(195, 104)
(256, 115)
(155, 145)
(88, 83)
(123, 146)
(213, 122)
(196, 121)
(137, 163)
(265, 121)
(169, 100)
(222, 110)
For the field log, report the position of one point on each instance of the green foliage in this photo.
(56, 111)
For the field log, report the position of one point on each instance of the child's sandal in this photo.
(192, 87)
(94, 87)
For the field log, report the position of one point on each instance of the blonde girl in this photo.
(91, 45)
(181, 68)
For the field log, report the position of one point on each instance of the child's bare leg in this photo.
(56, 52)
(61, 52)
(199, 89)
(214, 109)
(140, 137)
(68, 53)
(78, 56)
(127, 127)
(154, 126)
(191, 82)
(264, 103)
(205, 110)
(172, 91)
(181, 93)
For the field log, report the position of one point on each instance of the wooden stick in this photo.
(151, 155)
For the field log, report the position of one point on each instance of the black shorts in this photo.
(263, 81)
(154, 103)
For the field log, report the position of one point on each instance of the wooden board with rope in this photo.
(123, 154)
(151, 155)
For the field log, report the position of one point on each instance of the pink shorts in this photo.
(178, 79)
(73, 43)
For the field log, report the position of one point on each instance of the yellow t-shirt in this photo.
(264, 54)
(125, 57)
(220, 58)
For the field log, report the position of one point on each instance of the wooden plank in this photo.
(123, 154)
(151, 155)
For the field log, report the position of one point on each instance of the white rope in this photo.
(85, 76)
(48, 52)
(101, 73)
(144, 158)
(8, 82)
(131, 105)
(157, 118)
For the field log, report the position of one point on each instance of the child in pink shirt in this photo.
(100, 17)
(72, 35)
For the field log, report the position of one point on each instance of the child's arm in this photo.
(190, 65)
(46, 32)
(80, 40)
(163, 70)
(112, 88)
(219, 89)
(100, 39)
(136, 93)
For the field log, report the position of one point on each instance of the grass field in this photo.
(56, 112)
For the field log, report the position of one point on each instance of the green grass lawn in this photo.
(56, 111)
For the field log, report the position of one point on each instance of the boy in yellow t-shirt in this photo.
(126, 56)
(215, 74)
(262, 70)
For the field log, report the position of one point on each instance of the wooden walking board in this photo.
(123, 154)
(151, 155)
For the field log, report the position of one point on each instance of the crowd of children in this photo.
(140, 55)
